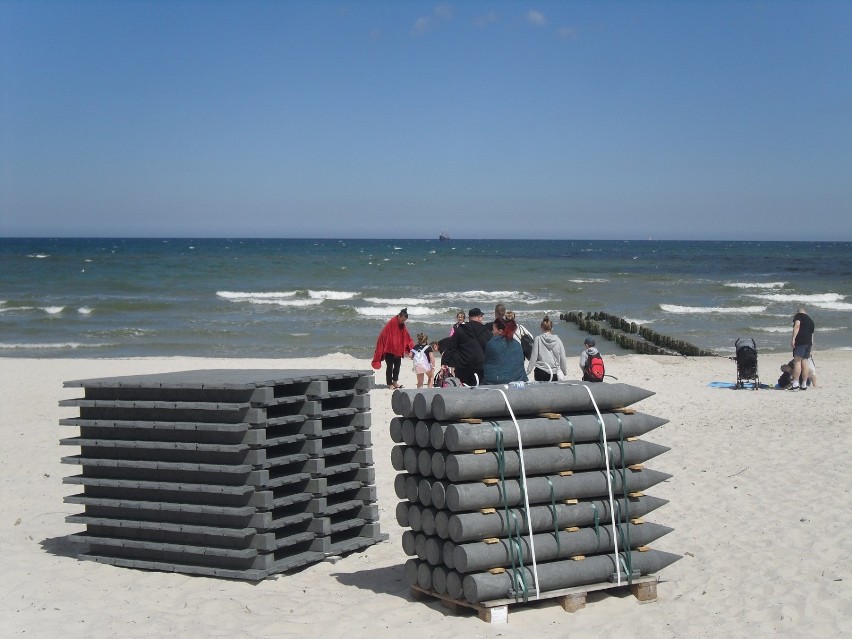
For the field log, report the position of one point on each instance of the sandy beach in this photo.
(759, 502)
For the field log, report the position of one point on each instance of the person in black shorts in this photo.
(802, 342)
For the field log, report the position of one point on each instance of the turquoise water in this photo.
(299, 298)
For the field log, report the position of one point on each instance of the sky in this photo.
(400, 119)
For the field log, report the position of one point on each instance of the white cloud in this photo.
(424, 24)
(444, 11)
(567, 33)
(485, 20)
(536, 18)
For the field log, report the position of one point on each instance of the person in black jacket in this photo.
(467, 346)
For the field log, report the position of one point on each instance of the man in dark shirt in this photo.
(802, 342)
(468, 348)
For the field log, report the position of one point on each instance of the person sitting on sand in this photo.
(504, 357)
(786, 375)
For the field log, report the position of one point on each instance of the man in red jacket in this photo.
(393, 344)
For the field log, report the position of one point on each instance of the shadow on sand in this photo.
(63, 547)
(389, 580)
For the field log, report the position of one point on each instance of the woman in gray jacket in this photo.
(547, 360)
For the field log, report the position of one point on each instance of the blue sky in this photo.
(588, 120)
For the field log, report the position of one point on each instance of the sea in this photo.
(271, 298)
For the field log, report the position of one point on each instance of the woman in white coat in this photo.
(547, 360)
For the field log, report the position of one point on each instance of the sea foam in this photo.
(768, 285)
(833, 306)
(63, 345)
(391, 311)
(332, 295)
(243, 296)
(823, 298)
(700, 310)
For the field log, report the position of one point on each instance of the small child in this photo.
(810, 380)
(424, 360)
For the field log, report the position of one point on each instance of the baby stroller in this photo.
(746, 359)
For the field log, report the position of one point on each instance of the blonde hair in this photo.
(422, 338)
(546, 323)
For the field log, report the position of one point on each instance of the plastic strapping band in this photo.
(608, 471)
(515, 551)
(573, 446)
(597, 521)
(553, 514)
(522, 485)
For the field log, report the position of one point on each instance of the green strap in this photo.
(573, 445)
(513, 529)
(597, 521)
(553, 514)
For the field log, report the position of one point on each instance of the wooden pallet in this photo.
(571, 599)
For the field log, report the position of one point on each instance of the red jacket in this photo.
(393, 339)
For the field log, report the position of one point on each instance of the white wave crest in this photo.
(53, 310)
(485, 298)
(414, 312)
(4, 346)
(640, 322)
(84, 310)
(591, 280)
(770, 329)
(394, 301)
(6, 309)
(768, 285)
(816, 298)
(243, 296)
(285, 302)
(703, 310)
(497, 295)
(332, 295)
(833, 306)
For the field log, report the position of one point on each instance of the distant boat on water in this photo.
(444, 236)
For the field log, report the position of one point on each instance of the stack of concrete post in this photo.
(480, 530)
(228, 473)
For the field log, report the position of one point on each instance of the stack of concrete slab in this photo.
(228, 473)
(514, 491)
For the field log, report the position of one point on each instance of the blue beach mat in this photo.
(733, 385)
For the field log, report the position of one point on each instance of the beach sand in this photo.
(759, 502)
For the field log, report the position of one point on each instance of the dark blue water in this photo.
(296, 298)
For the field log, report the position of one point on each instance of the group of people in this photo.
(476, 352)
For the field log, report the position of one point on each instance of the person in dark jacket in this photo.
(467, 346)
(802, 342)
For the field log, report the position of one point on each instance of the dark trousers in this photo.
(543, 376)
(393, 364)
(468, 375)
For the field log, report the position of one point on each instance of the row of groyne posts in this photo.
(516, 493)
(630, 335)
